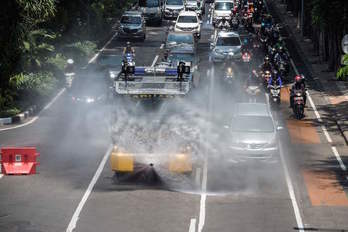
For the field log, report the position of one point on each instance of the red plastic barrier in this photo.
(19, 161)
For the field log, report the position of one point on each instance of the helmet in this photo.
(298, 78)
(281, 48)
(266, 59)
(70, 61)
(128, 44)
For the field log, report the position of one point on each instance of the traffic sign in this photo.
(345, 44)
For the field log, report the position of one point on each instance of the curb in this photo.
(19, 117)
(340, 124)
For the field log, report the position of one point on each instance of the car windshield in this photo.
(174, 57)
(223, 6)
(148, 3)
(110, 60)
(258, 124)
(187, 19)
(173, 38)
(131, 20)
(175, 2)
(228, 41)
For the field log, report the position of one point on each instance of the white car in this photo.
(172, 8)
(188, 21)
(222, 9)
(226, 45)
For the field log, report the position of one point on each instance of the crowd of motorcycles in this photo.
(264, 41)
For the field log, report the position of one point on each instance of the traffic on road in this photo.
(194, 116)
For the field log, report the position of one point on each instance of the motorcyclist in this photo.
(281, 54)
(280, 43)
(128, 49)
(275, 79)
(266, 65)
(69, 67)
(253, 80)
(224, 23)
(298, 85)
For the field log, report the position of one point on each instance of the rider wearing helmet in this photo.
(298, 85)
(128, 49)
(69, 67)
(266, 65)
(224, 23)
(275, 79)
(253, 79)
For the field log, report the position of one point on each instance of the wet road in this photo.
(221, 195)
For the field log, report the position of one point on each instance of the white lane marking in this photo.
(1, 175)
(201, 220)
(198, 176)
(89, 189)
(323, 127)
(38, 115)
(154, 61)
(192, 225)
(98, 53)
(338, 157)
(59, 93)
(291, 191)
(157, 56)
(328, 137)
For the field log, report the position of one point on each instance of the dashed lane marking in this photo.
(192, 227)
(327, 135)
(291, 191)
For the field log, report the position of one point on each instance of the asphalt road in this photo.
(222, 195)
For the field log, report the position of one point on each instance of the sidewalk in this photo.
(335, 92)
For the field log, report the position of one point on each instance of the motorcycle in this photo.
(234, 23)
(229, 77)
(253, 91)
(274, 94)
(298, 104)
(266, 76)
(130, 58)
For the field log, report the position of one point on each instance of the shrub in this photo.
(342, 73)
(80, 51)
(33, 85)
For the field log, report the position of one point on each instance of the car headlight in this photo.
(90, 100)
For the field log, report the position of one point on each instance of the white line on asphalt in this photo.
(154, 61)
(98, 53)
(192, 225)
(323, 127)
(59, 93)
(203, 196)
(89, 189)
(1, 175)
(291, 191)
(38, 115)
(338, 157)
(162, 46)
